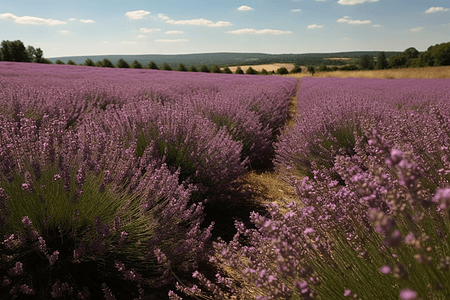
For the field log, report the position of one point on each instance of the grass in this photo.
(427, 72)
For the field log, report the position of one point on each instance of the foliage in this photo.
(192, 68)
(351, 67)
(382, 62)
(251, 71)
(296, 70)
(152, 66)
(227, 70)
(136, 65)
(282, 71)
(437, 55)
(89, 63)
(182, 68)
(122, 64)
(14, 51)
(205, 69)
(59, 62)
(264, 72)
(99, 64)
(215, 69)
(70, 62)
(166, 67)
(107, 63)
(366, 62)
(238, 71)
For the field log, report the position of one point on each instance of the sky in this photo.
(107, 27)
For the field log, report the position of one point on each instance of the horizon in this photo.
(87, 28)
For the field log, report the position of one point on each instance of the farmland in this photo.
(114, 184)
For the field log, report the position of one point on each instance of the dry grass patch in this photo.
(428, 72)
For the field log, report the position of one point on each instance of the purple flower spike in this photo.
(408, 294)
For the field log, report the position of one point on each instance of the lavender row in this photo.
(369, 162)
(99, 172)
(252, 109)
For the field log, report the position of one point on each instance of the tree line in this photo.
(181, 67)
(16, 51)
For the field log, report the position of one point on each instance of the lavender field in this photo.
(105, 174)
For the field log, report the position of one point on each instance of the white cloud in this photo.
(436, 9)
(87, 21)
(31, 20)
(259, 31)
(72, 19)
(129, 43)
(314, 26)
(344, 19)
(347, 19)
(174, 32)
(171, 41)
(137, 14)
(200, 22)
(148, 30)
(63, 31)
(245, 7)
(354, 2)
(376, 25)
(417, 29)
(141, 36)
(295, 10)
(359, 22)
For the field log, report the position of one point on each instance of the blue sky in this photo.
(96, 27)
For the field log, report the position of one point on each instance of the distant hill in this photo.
(227, 58)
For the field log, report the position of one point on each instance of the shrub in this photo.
(282, 71)
(59, 62)
(182, 68)
(107, 63)
(166, 67)
(122, 64)
(227, 70)
(297, 69)
(136, 65)
(251, 71)
(89, 62)
(152, 65)
(238, 71)
(70, 62)
(192, 68)
(205, 69)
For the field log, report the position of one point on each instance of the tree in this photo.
(122, 64)
(215, 69)
(227, 70)
(282, 71)
(70, 62)
(238, 71)
(89, 62)
(323, 68)
(192, 68)
(152, 66)
(31, 52)
(382, 62)
(14, 51)
(366, 62)
(251, 71)
(264, 72)
(311, 70)
(107, 63)
(437, 55)
(297, 69)
(136, 65)
(182, 68)
(99, 64)
(165, 66)
(47, 61)
(59, 62)
(205, 69)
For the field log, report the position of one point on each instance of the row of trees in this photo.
(437, 55)
(16, 51)
(181, 67)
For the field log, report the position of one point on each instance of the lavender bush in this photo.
(69, 226)
(372, 219)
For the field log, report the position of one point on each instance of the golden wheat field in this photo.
(427, 72)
